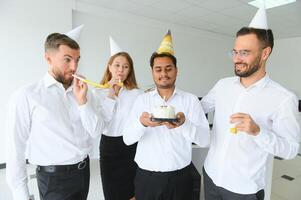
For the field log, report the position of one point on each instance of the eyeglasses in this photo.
(241, 53)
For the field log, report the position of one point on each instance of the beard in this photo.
(166, 86)
(60, 78)
(249, 71)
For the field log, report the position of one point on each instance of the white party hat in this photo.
(114, 47)
(260, 19)
(75, 33)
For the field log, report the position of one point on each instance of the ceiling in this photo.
(223, 17)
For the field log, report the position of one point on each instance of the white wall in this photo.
(195, 50)
(24, 25)
(202, 56)
(285, 65)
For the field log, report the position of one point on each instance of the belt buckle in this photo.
(82, 165)
(51, 169)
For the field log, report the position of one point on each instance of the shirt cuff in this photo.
(85, 107)
(92, 123)
(185, 127)
(140, 129)
(21, 193)
(263, 138)
(130, 137)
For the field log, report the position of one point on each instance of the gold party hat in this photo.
(166, 45)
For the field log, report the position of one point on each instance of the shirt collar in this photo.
(258, 84)
(155, 92)
(50, 81)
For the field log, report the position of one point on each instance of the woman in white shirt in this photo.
(117, 164)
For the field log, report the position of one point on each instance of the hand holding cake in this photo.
(146, 120)
(180, 120)
(166, 115)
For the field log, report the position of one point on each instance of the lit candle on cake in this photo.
(164, 111)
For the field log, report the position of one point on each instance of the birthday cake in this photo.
(164, 112)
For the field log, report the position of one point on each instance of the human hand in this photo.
(80, 90)
(115, 87)
(245, 123)
(145, 120)
(180, 120)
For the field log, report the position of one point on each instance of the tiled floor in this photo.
(282, 189)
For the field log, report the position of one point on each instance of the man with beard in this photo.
(164, 148)
(53, 121)
(254, 117)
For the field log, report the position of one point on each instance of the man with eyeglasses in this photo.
(254, 117)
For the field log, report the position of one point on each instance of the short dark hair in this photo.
(55, 40)
(160, 55)
(266, 37)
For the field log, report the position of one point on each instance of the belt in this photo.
(170, 173)
(64, 168)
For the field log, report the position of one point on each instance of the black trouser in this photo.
(175, 185)
(213, 192)
(117, 168)
(66, 182)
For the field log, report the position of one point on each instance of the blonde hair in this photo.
(130, 81)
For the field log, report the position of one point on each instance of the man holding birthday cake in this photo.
(165, 122)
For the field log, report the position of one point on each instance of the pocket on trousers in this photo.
(43, 183)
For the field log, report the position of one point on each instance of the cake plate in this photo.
(154, 119)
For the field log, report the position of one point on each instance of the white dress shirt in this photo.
(115, 111)
(46, 122)
(159, 148)
(237, 162)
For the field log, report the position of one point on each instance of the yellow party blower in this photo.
(96, 85)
